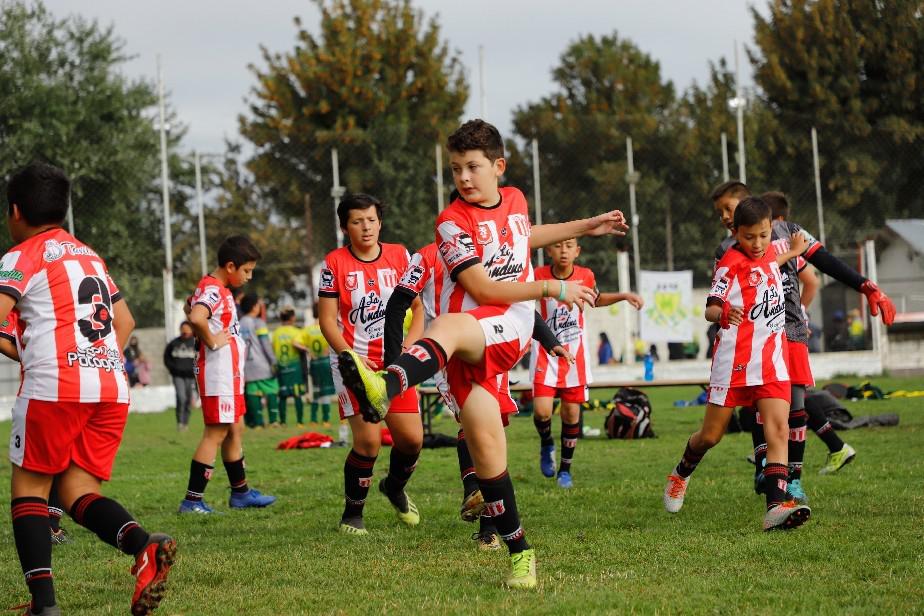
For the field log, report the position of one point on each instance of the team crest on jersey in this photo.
(484, 235)
(351, 282)
(55, 250)
(755, 277)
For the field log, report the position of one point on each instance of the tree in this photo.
(63, 101)
(379, 84)
(852, 69)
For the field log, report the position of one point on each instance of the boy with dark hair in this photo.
(74, 325)
(555, 377)
(749, 361)
(259, 365)
(486, 319)
(356, 282)
(220, 376)
(288, 346)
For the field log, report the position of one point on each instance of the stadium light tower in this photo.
(737, 105)
(165, 195)
(337, 191)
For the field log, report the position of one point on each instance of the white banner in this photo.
(668, 306)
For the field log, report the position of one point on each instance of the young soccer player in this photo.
(725, 200)
(749, 360)
(555, 377)
(220, 376)
(356, 282)
(72, 405)
(486, 319)
(288, 346)
(259, 365)
(319, 370)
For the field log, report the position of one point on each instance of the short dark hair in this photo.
(750, 211)
(779, 204)
(248, 302)
(734, 188)
(286, 313)
(477, 135)
(237, 249)
(185, 324)
(41, 191)
(357, 201)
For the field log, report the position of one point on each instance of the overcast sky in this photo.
(206, 45)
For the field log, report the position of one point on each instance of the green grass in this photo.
(606, 546)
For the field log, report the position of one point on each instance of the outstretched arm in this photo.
(610, 223)
(840, 271)
(607, 299)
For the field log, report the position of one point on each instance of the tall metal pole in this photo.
(739, 97)
(70, 215)
(537, 193)
(821, 213)
(725, 176)
(669, 237)
(482, 95)
(632, 177)
(337, 191)
(440, 199)
(622, 273)
(165, 195)
(879, 341)
(202, 258)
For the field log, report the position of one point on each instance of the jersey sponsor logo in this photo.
(388, 278)
(55, 250)
(720, 286)
(564, 324)
(102, 358)
(502, 266)
(11, 274)
(412, 276)
(484, 235)
(351, 282)
(327, 279)
(370, 313)
(770, 308)
(456, 249)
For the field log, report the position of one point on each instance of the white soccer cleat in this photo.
(674, 492)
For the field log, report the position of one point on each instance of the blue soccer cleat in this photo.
(547, 460)
(250, 498)
(564, 480)
(189, 506)
(795, 492)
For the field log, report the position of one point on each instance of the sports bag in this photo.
(631, 415)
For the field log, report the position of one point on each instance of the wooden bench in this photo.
(430, 396)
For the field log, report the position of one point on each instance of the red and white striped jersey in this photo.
(497, 237)
(221, 372)
(424, 276)
(64, 298)
(569, 327)
(754, 352)
(362, 289)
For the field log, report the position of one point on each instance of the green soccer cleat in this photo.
(366, 385)
(838, 460)
(353, 526)
(523, 570)
(404, 507)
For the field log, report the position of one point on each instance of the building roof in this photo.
(909, 229)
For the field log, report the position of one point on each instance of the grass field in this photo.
(605, 546)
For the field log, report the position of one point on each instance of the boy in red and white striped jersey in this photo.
(555, 376)
(220, 377)
(72, 404)
(749, 358)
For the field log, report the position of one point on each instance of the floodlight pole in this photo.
(201, 215)
(632, 177)
(482, 95)
(440, 199)
(725, 176)
(537, 193)
(337, 191)
(739, 98)
(165, 195)
(821, 213)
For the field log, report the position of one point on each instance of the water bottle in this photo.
(649, 368)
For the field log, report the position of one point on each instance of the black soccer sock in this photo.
(54, 509)
(797, 421)
(33, 543)
(569, 439)
(775, 483)
(690, 460)
(466, 466)
(486, 525)
(401, 466)
(357, 477)
(199, 475)
(237, 476)
(111, 523)
(544, 429)
(820, 425)
(424, 359)
(501, 507)
(760, 443)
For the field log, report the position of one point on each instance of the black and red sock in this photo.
(357, 477)
(775, 475)
(421, 361)
(818, 422)
(466, 466)
(401, 466)
(501, 507)
(237, 476)
(544, 429)
(199, 475)
(569, 439)
(797, 421)
(760, 443)
(33, 543)
(110, 521)
(690, 460)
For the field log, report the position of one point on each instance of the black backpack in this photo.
(631, 415)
